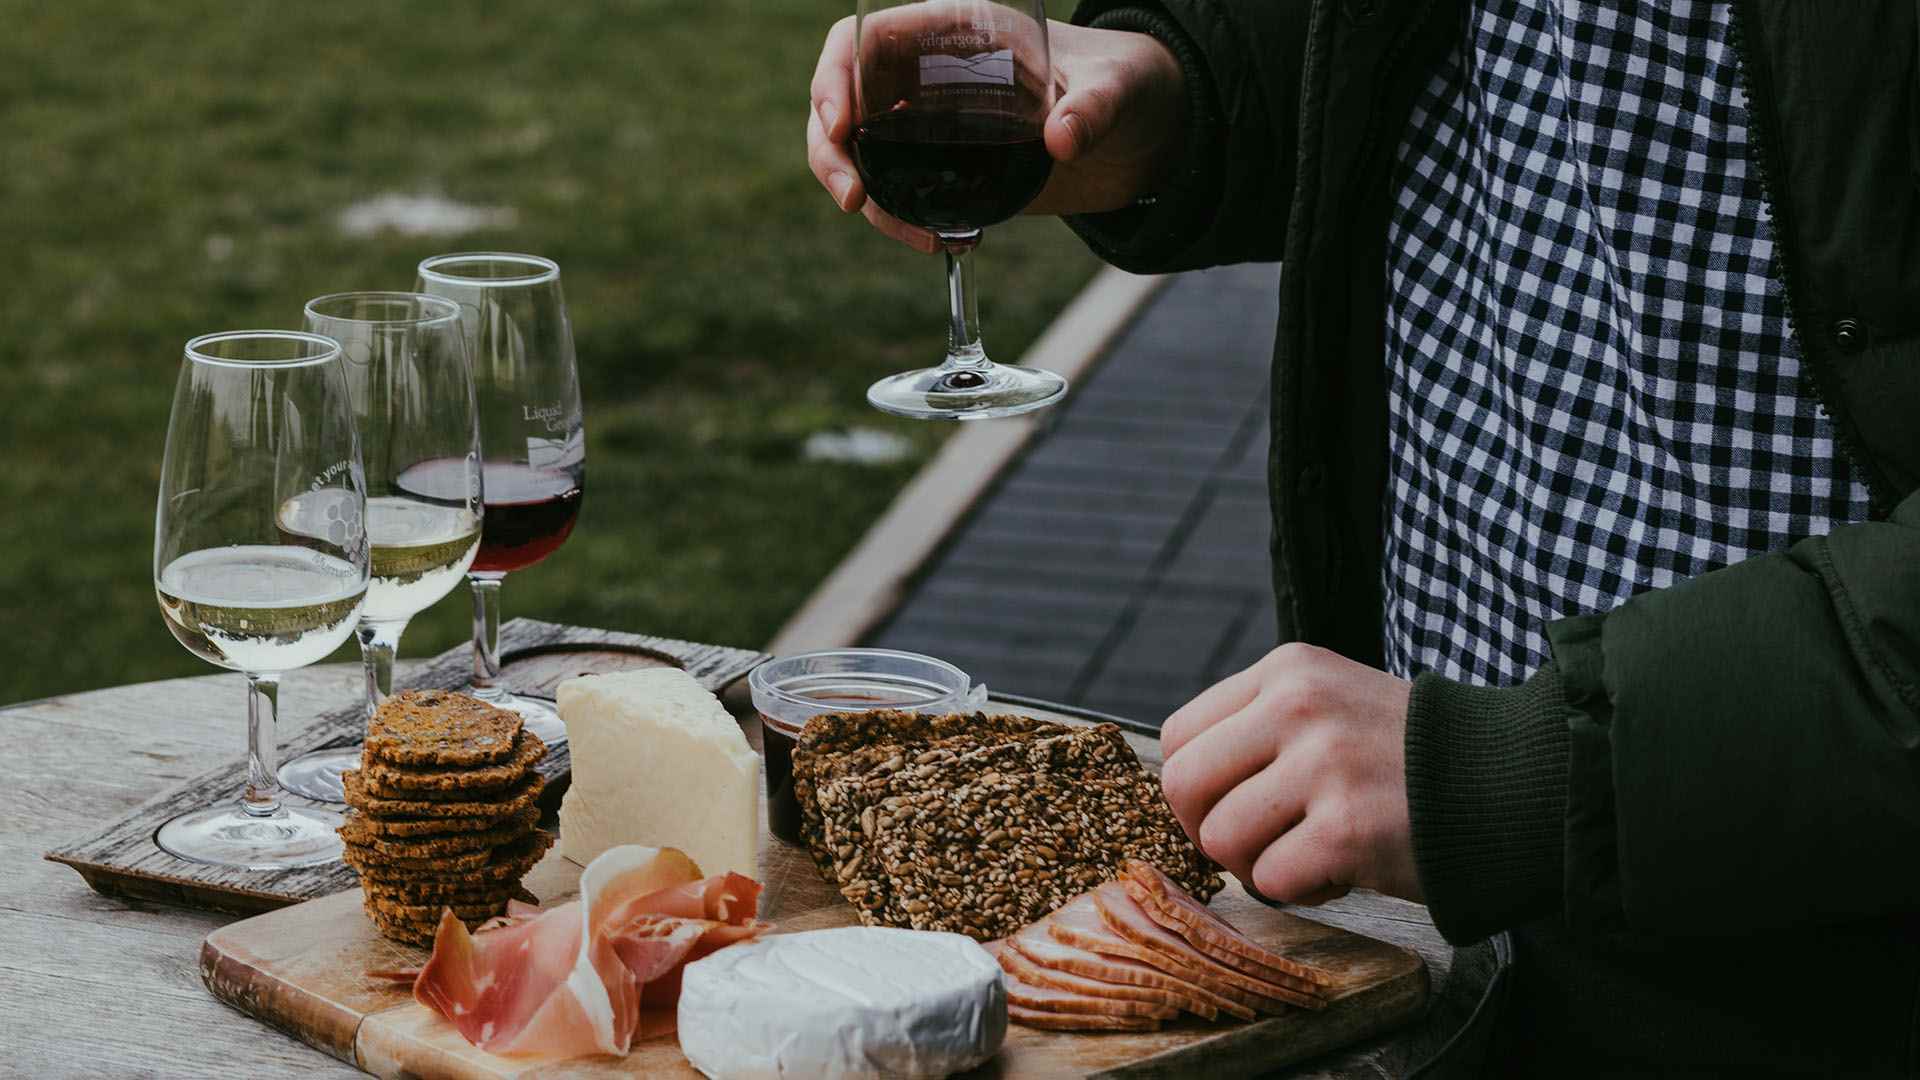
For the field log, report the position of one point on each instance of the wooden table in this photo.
(92, 986)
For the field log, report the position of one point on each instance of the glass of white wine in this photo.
(259, 417)
(406, 364)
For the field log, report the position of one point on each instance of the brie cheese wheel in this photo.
(861, 1001)
(658, 761)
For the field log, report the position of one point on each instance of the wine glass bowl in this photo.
(951, 98)
(405, 360)
(259, 419)
(533, 438)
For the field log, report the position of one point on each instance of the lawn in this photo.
(171, 169)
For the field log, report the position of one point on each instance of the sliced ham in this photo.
(1127, 919)
(591, 975)
(1017, 966)
(1038, 944)
(1170, 906)
(1079, 923)
(1053, 1021)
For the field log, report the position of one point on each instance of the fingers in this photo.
(1310, 864)
(1252, 816)
(1080, 119)
(916, 238)
(833, 82)
(833, 167)
(1214, 704)
(1215, 762)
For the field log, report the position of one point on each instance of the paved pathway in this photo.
(1121, 563)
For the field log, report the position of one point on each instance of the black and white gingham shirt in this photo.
(1592, 385)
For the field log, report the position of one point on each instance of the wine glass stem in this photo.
(964, 349)
(486, 635)
(263, 713)
(379, 642)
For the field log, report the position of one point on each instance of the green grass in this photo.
(171, 169)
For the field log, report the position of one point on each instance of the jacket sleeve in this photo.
(1735, 753)
(1228, 202)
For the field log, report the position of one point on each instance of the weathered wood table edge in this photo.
(122, 860)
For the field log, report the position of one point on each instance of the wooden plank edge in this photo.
(1348, 1020)
(868, 583)
(265, 998)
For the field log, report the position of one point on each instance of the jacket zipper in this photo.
(1818, 373)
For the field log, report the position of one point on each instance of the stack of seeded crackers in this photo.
(443, 809)
(979, 824)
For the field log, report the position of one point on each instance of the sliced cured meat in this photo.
(591, 975)
(1080, 923)
(1170, 906)
(1044, 998)
(1126, 919)
(1038, 945)
(1018, 967)
(1053, 1021)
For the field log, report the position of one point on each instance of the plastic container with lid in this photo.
(791, 690)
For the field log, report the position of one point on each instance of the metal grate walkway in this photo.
(1121, 563)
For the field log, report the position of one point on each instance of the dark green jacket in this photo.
(1702, 820)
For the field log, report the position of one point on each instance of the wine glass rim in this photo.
(441, 308)
(324, 349)
(539, 267)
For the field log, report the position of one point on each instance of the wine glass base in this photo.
(967, 393)
(535, 715)
(316, 776)
(296, 836)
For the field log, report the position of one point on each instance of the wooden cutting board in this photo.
(301, 969)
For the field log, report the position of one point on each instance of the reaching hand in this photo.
(1292, 775)
(1114, 130)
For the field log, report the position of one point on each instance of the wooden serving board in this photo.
(122, 859)
(301, 969)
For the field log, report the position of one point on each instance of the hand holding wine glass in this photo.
(260, 418)
(1114, 133)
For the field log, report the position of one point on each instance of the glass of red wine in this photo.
(533, 449)
(951, 97)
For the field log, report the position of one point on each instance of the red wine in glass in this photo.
(951, 99)
(530, 511)
(954, 172)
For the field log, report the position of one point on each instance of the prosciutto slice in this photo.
(1125, 918)
(1018, 967)
(1167, 904)
(590, 975)
(1037, 944)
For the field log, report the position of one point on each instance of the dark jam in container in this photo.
(776, 746)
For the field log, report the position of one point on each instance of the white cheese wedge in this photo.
(657, 760)
(861, 1001)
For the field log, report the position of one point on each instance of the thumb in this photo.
(1080, 119)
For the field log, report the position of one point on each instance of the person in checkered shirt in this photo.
(1596, 422)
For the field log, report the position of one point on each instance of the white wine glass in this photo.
(405, 358)
(533, 446)
(260, 417)
(951, 97)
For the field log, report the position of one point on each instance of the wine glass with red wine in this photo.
(950, 100)
(533, 450)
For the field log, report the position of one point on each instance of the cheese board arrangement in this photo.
(1057, 925)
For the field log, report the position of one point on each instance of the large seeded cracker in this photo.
(438, 728)
(834, 745)
(388, 781)
(506, 803)
(985, 841)
(509, 862)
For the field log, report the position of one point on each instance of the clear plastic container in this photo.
(791, 690)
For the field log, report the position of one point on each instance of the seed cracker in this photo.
(438, 728)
